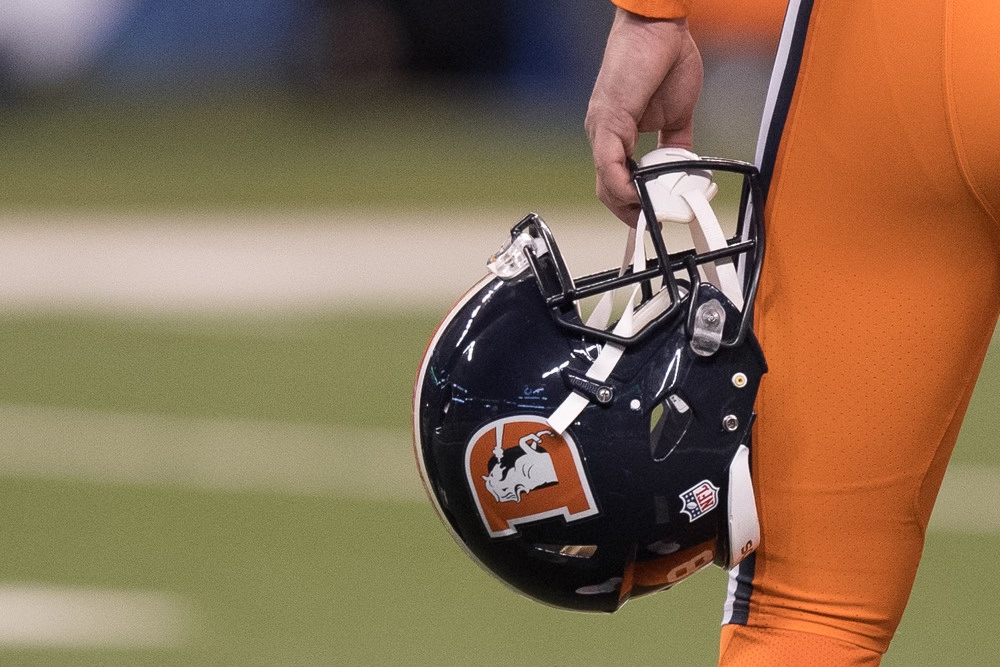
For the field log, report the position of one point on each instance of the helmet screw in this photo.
(710, 317)
(604, 394)
(739, 380)
(730, 423)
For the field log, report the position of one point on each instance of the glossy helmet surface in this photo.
(583, 464)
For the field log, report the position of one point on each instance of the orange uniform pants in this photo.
(879, 296)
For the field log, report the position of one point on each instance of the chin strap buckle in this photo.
(598, 392)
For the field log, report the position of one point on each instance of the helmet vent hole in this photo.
(655, 415)
(569, 550)
(669, 421)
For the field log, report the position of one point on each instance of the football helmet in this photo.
(584, 462)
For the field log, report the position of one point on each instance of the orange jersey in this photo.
(744, 22)
(879, 296)
(657, 9)
(878, 300)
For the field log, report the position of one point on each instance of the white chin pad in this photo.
(664, 191)
(744, 527)
(683, 197)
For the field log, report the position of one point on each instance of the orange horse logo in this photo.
(520, 470)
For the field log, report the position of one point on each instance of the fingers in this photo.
(649, 81)
(671, 108)
(620, 197)
(614, 180)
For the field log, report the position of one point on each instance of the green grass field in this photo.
(272, 577)
(276, 154)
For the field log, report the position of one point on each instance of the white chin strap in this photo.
(611, 353)
(677, 198)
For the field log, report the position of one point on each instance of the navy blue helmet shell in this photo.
(584, 463)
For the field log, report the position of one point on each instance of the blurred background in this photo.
(227, 231)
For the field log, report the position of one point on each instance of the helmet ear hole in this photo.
(669, 422)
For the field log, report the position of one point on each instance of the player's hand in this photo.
(649, 81)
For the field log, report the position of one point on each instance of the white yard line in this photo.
(214, 455)
(230, 455)
(210, 264)
(43, 616)
(968, 500)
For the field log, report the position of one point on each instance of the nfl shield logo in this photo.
(699, 499)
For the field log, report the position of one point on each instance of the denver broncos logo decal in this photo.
(520, 470)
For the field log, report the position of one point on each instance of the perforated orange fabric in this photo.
(879, 297)
(768, 647)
